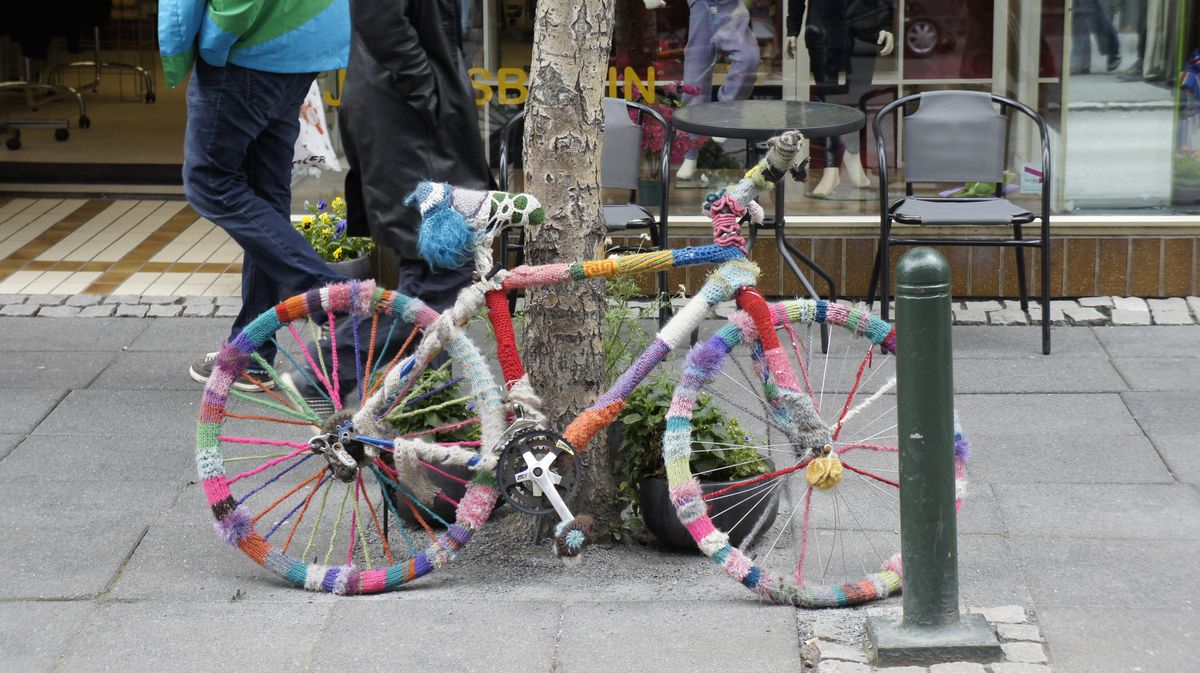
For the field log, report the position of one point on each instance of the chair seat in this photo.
(627, 216)
(915, 210)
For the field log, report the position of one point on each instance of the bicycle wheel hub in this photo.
(343, 454)
(532, 453)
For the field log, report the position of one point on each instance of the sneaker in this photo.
(1131, 74)
(201, 370)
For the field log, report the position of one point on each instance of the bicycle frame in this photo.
(734, 278)
(733, 275)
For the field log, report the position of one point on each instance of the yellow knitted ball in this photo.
(824, 472)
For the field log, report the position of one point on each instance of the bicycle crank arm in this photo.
(544, 481)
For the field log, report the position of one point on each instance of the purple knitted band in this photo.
(330, 579)
(646, 362)
(235, 527)
(421, 564)
(312, 299)
(458, 534)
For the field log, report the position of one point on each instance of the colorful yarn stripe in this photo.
(642, 262)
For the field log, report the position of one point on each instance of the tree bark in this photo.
(563, 344)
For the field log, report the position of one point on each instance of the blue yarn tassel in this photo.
(445, 240)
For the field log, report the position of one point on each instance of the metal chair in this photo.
(620, 155)
(958, 136)
(28, 86)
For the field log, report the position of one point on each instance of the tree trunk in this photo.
(563, 344)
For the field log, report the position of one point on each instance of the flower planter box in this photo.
(359, 268)
(743, 522)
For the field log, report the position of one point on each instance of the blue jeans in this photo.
(237, 172)
(1089, 18)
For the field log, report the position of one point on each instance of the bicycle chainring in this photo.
(524, 494)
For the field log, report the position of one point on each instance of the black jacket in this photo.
(408, 113)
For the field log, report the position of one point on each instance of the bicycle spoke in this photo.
(337, 525)
(296, 524)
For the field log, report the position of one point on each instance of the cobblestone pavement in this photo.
(1081, 522)
(1089, 311)
(837, 642)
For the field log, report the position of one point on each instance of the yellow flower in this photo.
(337, 254)
(338, 203)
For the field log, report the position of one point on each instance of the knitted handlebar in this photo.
(727, 206)
(458, 224)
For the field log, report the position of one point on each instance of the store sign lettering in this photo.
(511, 85)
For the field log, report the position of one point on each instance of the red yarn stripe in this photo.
(287, 495)
(760, 478)
(430, 466)
(387, 547)
(403, 349)
(300, 516)
(804, 536)
(876, 477)
(750, 300)
(850, 398)
(506, 339)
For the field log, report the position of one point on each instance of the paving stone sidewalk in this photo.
(1089, 311)
(1081, 522)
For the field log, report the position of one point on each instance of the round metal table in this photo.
(757, 120)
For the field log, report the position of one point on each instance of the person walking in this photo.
(408, 114)
(1088, 18)
(254, 62)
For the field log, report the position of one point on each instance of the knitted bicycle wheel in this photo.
(326, 488)
(827, 421)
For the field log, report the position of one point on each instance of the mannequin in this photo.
(715, 27)
(850, 43)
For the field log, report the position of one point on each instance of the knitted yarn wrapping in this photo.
(445, 239)
(458, 224)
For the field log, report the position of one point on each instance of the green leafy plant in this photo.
(720, 450)
(438, 401)
(1187, 168)
(624, 336)
(714, 156)
(325, 230)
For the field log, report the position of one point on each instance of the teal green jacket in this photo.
(269, 35)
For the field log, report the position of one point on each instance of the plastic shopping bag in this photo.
(313, 147)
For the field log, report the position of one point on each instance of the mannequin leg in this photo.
(859, 80)
(734, 37)
(699, 56)
(726, 28)
(830, 179)
(855, 173)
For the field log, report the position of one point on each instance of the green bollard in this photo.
(931, 629)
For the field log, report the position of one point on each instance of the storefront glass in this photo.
(1116, 80)
(1111, 78)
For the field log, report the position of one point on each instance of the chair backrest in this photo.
(954, 136)
(622, 146)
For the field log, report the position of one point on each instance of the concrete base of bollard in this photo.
(894, 643)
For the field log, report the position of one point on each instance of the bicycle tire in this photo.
(857, 503)
(370, 558)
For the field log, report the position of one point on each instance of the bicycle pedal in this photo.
(572, 537)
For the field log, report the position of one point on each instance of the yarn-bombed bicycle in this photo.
(503, 448)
